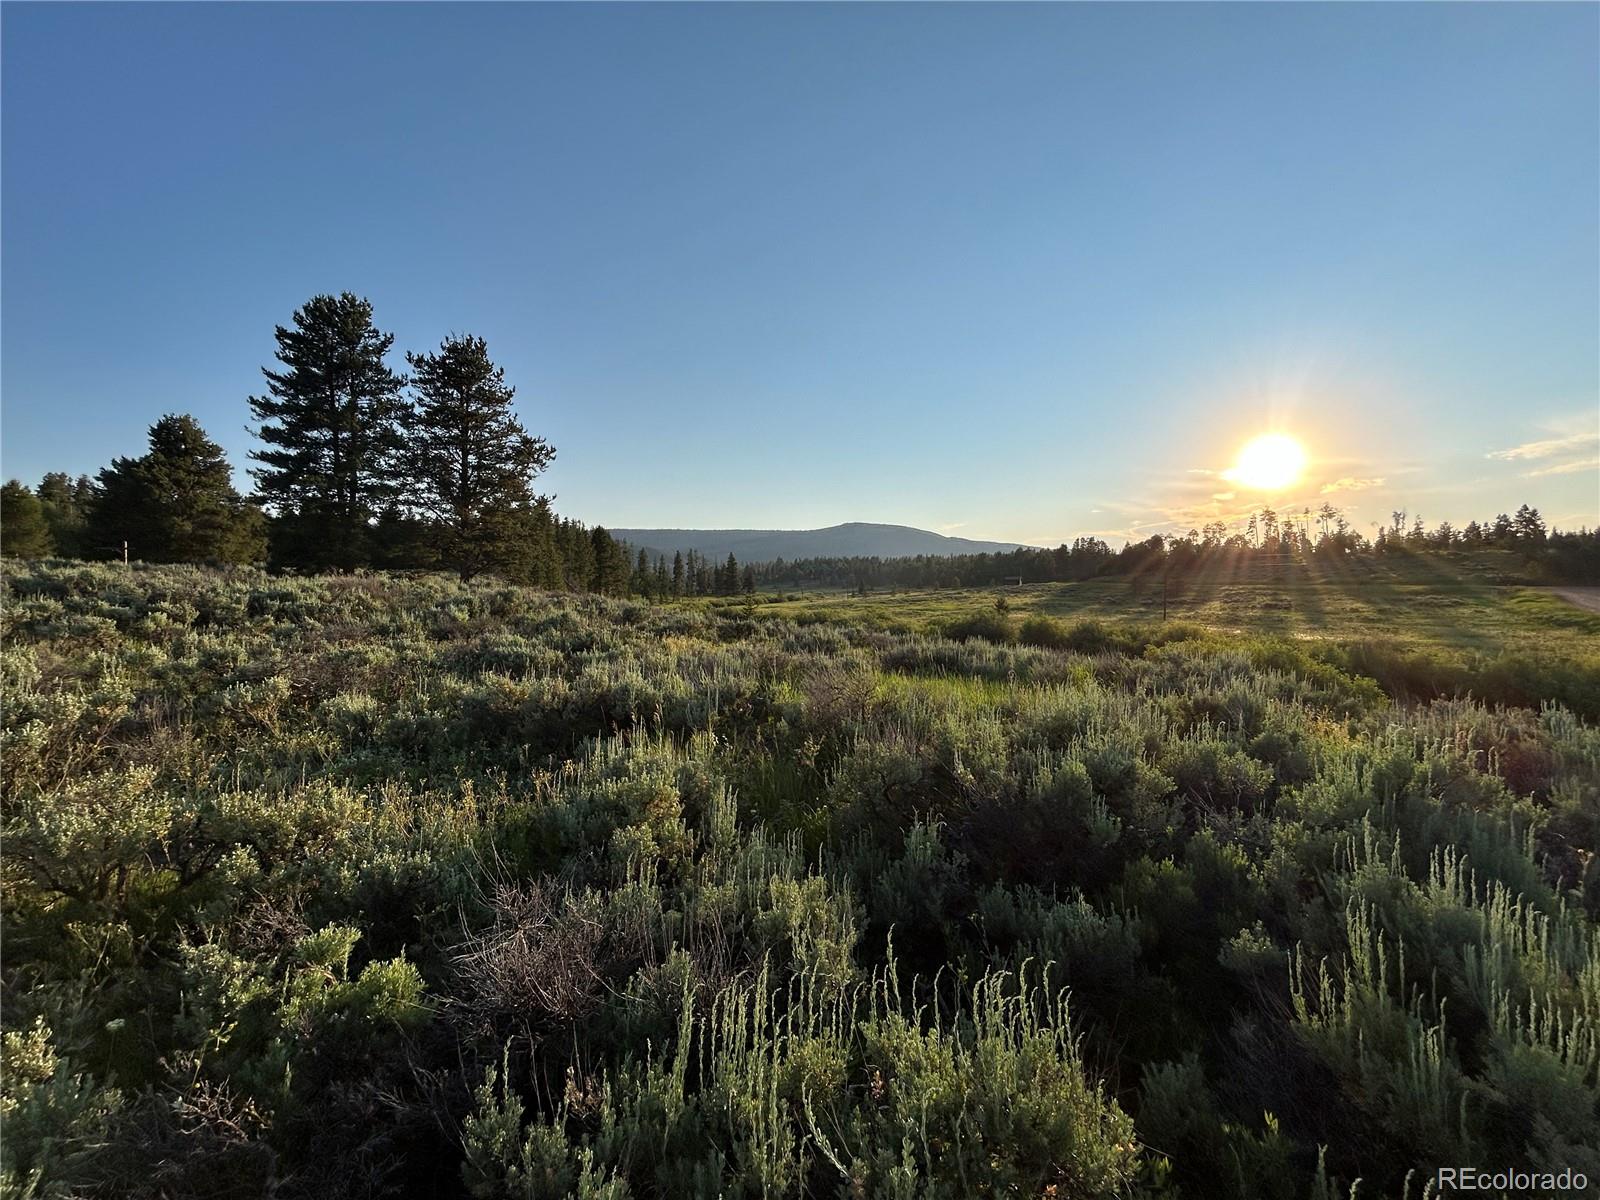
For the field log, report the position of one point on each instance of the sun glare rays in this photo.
(1269, 463)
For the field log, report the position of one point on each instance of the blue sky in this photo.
(1009, 271)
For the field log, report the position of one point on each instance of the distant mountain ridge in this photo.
(855, 539)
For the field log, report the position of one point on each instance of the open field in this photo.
(359, 886)
(1420, 638)
(1459, 614)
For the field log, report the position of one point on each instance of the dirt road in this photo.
(1583, 597)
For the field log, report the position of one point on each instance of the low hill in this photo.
(861, 539)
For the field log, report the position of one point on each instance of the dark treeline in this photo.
(175, 503)
(1520, 544)
(360, 467)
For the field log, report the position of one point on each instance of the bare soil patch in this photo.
(1583, 597)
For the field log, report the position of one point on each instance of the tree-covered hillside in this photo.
(854, 539)
(368, 886)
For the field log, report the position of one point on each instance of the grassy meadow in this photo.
(1424, 633)
(356, 886)
(1447, 614)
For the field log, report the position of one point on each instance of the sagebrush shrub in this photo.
(343, 886)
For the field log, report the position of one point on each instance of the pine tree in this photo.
(177, 502)
(730, 576)
(677, 573)
(545, 565)
(1326, 516)
(662, 580)
(401, 540)
(1269, 528)
(749, 587)
(23, 531)
(469, 463)
(1529, 526)
(331, 421)
(121, 519)
(610, 571)
(66, 512)
(577, 557)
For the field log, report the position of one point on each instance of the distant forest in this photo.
(1519, 546)
(364, 467)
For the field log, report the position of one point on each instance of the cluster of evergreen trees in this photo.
(176, 503)
(690, 575)
(1521, 542)
(439, 459)
(1085, 558)
(361, 466)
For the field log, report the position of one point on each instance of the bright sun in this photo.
(1268, 463)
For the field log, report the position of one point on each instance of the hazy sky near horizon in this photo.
(1021, 272)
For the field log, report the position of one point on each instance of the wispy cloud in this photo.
(952, 526)
(1567, 468)
(1571, 450)
(1549, 447)
(1351, 483)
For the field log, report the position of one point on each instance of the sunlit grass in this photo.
(1450, 613)
(1419, 628)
